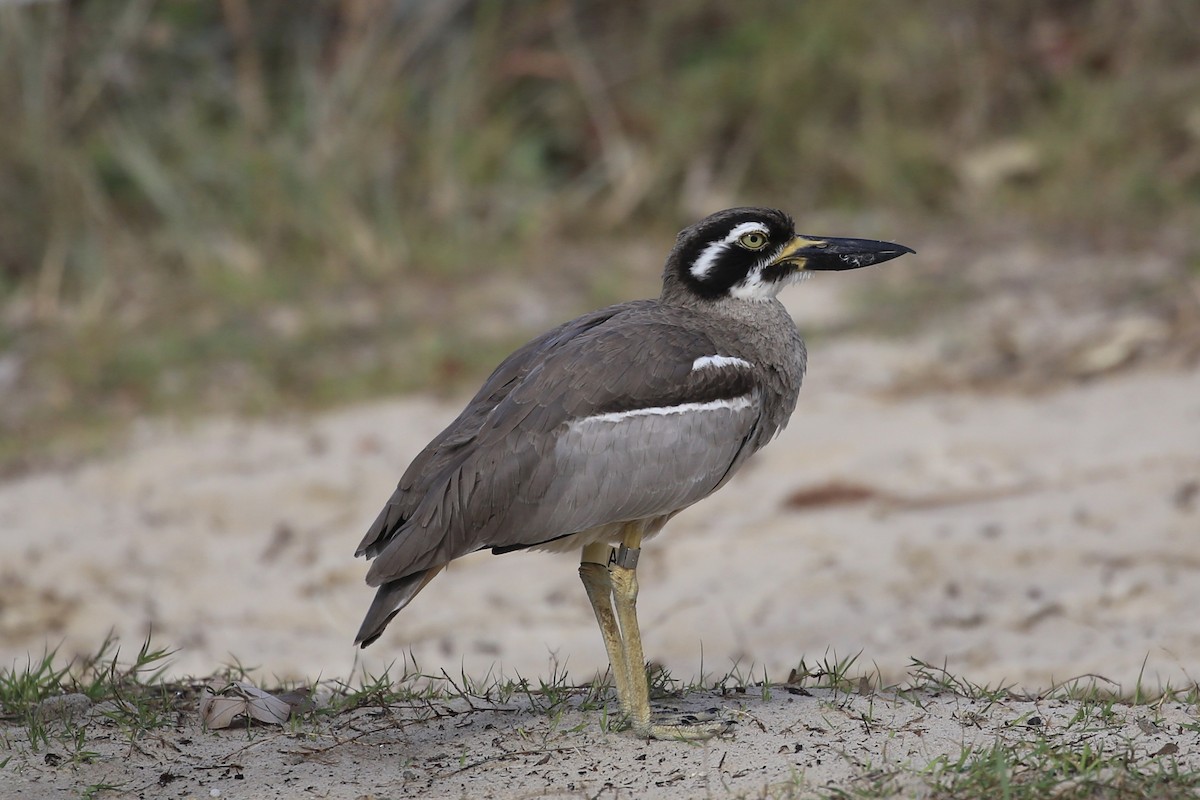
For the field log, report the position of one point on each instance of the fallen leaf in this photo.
(265, 707)
(241, 699)
(220, 712)
(833, 493)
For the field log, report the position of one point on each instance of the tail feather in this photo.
(382, 530)
(389, 600)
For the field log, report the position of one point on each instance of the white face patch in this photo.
(733, 404)
(716, 362)
(709, 255)
(753, 287)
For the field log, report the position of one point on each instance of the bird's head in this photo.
(752, 253)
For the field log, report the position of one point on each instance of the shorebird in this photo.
(593, 435)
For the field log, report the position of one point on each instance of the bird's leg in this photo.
(623, 574)
(593, 571)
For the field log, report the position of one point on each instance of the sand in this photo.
(1019, 538)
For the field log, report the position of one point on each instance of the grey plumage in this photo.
(609, 418)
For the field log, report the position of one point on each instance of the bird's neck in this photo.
(754, 312)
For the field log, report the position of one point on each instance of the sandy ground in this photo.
(791, 744)
(1014, 537)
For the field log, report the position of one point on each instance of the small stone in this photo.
(64, 708)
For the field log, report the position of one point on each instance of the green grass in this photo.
(234, 207)
(99, 676)
(1067, 766)
(133, 694)
(1023, 757)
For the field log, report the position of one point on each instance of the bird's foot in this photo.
(684, 726)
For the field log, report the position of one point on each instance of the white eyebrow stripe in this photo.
(714, 362)
(708, 256)
(733, 404)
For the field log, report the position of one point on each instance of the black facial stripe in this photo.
(778, 272)
(731, 268)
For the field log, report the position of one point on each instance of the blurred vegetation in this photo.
(237, 205)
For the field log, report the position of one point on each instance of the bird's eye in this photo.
(754, 240)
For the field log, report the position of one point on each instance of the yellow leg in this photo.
(624, 591)
(593, 571)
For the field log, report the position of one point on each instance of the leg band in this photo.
(626, 557)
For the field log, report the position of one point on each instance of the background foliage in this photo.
(235, 204)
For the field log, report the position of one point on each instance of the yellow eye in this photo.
(754, 240)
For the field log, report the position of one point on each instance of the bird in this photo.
(596, 433)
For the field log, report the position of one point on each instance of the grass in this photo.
(100, 676)
(233, 207)
(1075, 740)
(130, 696)
(1058, 767)
(1029, 756)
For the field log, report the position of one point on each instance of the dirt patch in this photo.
(786, 742)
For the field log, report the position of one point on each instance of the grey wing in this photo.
(449, 448)
(581, 440)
